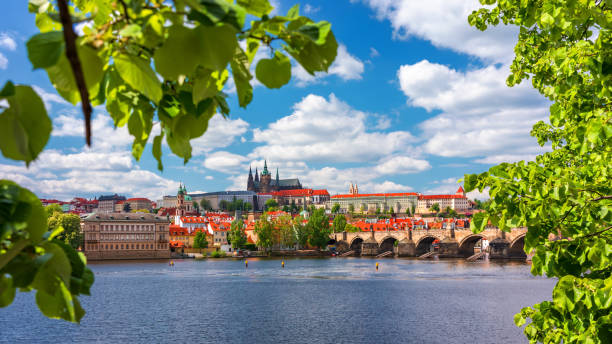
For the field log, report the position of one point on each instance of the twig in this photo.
(125, 10)
(75, 64)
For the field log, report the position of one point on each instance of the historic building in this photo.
(125, 236)
(401, 202)
(106, 204)
(457, 202)
(264, 183)
(299, 197)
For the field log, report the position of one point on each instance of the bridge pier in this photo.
(498, 249)
(449, 248)
(369, 247)
(406, 248)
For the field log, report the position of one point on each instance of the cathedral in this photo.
(264, 183)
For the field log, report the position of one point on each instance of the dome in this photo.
(187, 198)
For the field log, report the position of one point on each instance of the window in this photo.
(122, 246)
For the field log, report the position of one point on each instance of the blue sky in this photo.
(415, 99)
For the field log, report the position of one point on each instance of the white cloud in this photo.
(3, 61)
(346, 67)
(497, 159)
(49, 97)
(224, 161)
(480, 116)
(221, 133)
(373, 52)
(445, 24)
(209, 178)
(402, 165)
(104, 136)
(309, 9)
(326, 130)
(7, 42)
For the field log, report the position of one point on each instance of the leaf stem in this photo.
(75, 64)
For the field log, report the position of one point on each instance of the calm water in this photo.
(342, 300)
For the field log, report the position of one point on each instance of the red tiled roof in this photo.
(138, 199)
(440, 196)
(460, 190)
(397, 194)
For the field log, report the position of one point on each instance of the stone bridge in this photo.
(454, 243)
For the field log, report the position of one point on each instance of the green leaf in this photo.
(157, 150)
(54, 272)
(185, 49)
(45, 49)
(274, 72)
(207, 84)
(213, 12)
(8, 90)
(62, 78)
(7, 290)
(313, 57)
(258, 8)
(140, 124)
(137, 73)
(25, 126)
(242, 77)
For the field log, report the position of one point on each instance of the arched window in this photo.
(122, 246)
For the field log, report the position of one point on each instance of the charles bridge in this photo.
(453, 243)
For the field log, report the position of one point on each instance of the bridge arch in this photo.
(466, 246)
(387, 244)
(356, 245)
(517, 247)
(424, 243)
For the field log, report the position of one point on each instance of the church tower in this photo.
(265, 179)
(256, 175)
(180, 199)
(250, 183)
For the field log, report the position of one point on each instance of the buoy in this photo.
(246, 263)
(283, 264)
(376, 266)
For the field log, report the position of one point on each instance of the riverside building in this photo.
(125, 236)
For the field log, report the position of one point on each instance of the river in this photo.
(323, 300)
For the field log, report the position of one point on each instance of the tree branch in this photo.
(75, 64)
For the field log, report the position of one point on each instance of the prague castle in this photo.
(264, 183)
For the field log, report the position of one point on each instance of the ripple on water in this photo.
(310, 300)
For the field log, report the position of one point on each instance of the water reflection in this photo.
(343, 300)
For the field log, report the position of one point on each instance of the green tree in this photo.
(127, 207)
(351, 208)
(391, 211)
(564, 196)
(146, 61)
(435, 208)
(286, 208)
(319, 230)
(237, 237)
(199, 241)
(265, 231)
(196, 206)
(247, 206)
(286, 232)
(205, 204)
(362, 208)
(224, 205)
(301, 231)
(53, 208)
(271, 205)
(294, 208)
(335, 208)
(71, 224)
(339, 223)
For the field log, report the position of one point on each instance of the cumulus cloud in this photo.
(224, 161)
(221, 133)
(310, 9)
(49, 97)
(481, 116)
(444, 24)
(7, 42)
(324, 130)
(3, 61)
(346, 67)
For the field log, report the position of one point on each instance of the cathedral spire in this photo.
(277, 177)
(256, 175)
(265, 171)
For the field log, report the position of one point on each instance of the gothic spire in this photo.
(256, 175)
(277, 176)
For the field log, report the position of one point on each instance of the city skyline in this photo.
(407, 106)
